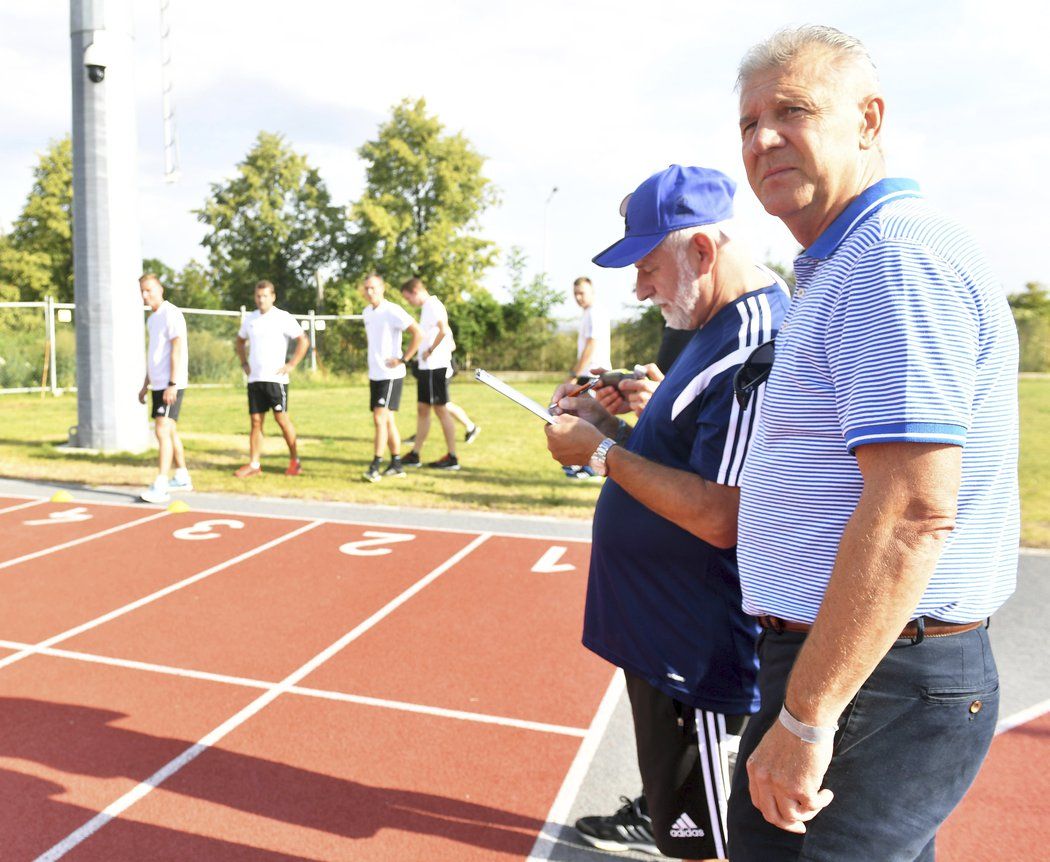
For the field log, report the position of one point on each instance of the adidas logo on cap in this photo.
(684, 827)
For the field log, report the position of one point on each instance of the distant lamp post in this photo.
(546, 206)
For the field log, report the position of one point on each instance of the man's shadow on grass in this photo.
(87, 741)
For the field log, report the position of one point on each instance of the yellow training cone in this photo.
(62, 497)
(177, 506)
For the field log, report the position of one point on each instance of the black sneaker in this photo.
(410, 460)
(449, 462)
(628, 829)
(410, 439)
(372, 473)
(394, 469)
(473, 433)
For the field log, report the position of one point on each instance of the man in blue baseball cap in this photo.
(663, 598)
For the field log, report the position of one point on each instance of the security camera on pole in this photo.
(107, 253)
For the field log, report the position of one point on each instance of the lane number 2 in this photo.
(204, 530)
(373, 545)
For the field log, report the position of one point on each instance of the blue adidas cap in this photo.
(673, 199)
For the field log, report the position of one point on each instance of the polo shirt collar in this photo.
(863, 205)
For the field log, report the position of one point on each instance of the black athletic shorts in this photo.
(264, 396)
(162, 409)
(385, 393)
(432, 386)
(686, 757)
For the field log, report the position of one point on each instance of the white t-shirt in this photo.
(431, 314)
(383, 326)
(164, 324)
(267, 336)
(595, 324)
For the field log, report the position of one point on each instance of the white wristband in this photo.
(807, 732)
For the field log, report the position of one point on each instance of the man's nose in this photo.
(765, 137)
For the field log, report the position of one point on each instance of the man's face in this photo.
(413, 297)
(152, 293)
(583, 293)
(264, 299)
(666, 280)
(801, 130)
(372, 290)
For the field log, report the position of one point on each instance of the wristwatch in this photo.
(597, 462)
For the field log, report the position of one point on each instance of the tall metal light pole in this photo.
(546, 206)
(107, 251)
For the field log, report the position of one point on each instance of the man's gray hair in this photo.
(786, 45)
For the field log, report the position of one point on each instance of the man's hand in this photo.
(170, 394)
(424, 354)
(583, 406)
(573, 440)
(287, 368)
(245, 367)
(142, 394)
(785, 774)
(393, 362)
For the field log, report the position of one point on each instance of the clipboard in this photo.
(515, 396)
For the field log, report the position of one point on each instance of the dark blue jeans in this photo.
(908, 747)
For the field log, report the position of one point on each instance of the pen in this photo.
(587, 387)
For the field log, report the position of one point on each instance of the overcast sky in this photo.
(588, 97)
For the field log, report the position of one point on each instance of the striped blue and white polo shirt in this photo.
(662, 603)
(898, 331)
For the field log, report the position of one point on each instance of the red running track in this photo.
(320, 690)
(360, 692)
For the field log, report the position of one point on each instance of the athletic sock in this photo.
(254, 465)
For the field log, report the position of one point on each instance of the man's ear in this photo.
(873, 112)
(704, 251)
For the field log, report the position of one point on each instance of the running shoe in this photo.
(246, 471)
(394, 469)
(410, 460)
(156, 493)
(181, 481)
(628, 829)
(294, 468)
(473, 433)
(449, 462)
(372, 474)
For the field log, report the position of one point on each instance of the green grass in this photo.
(507, 469)
(1035, 460)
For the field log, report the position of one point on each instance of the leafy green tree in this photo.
(37, 256)
(273, 220)
(1031, 311)
(424, 193)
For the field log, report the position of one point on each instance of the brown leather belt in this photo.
(932, 628)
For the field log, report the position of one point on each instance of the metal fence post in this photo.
(313, 342)
(49, 309)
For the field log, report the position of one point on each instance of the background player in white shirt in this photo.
(593, 350)
(167, 373)
(267, 332)
(384, 325)
(435, 369)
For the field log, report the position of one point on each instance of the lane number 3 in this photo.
(204, 530)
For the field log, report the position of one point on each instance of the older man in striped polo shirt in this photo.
(879, 508)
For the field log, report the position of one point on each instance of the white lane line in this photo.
(18, 506)
(74, 542)
(152, 597)
(548, 838)
(441, 712)
(116, 808)
(393, 525)
(1036, 710)
(324, 694)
